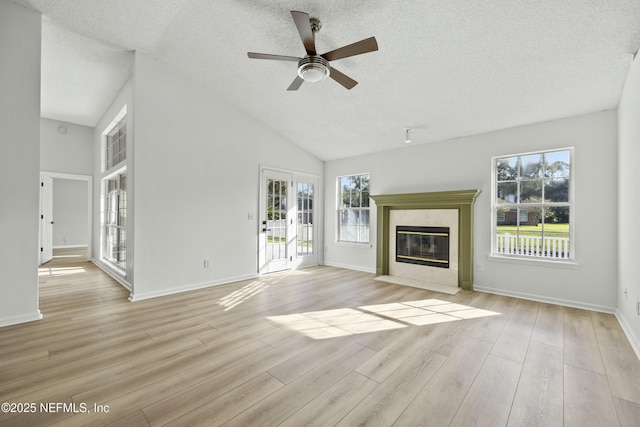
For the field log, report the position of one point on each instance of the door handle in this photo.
(265, 230)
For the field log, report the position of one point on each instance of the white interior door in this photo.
(46, 218)
(277, 222)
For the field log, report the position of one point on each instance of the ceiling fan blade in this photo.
(357, 48)
(341, 78)
(303, 24)
(296, 83)
(254, 55)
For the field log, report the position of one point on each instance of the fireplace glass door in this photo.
(423, 245)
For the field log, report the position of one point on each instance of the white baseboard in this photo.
(350, 267)
(23, 318)
(69, 246)
(195, 286)
(633, 339)
(550, 300)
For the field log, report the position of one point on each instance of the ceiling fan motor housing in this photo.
(313, 68)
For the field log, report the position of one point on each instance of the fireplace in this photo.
(452, 209)
(423, 245)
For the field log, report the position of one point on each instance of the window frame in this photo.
(119, 222)
(115, 168)
(570, 204)
(340, 209)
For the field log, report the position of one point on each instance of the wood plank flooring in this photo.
(315, 347)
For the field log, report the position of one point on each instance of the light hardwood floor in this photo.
(322, 346)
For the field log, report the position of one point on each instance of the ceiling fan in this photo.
(313, 67)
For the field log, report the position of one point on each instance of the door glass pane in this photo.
(276, 219)
(305, 219)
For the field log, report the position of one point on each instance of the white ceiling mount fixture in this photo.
(407, 136)
(313, 68)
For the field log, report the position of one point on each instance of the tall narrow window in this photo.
(114, 193)
(305, 219)
(533, 207)
(116, 220)
(353, 208)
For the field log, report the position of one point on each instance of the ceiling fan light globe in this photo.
(313, 74)
(313, 69)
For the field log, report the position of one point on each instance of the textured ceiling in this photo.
(446, 69)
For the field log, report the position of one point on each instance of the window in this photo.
(116, 145)
(533, 206)
(115, 203)
(353, 208)
(114, 192)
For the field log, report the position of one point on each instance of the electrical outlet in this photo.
(206, 263)
(479, 267)
(638, 307)
(626, 294)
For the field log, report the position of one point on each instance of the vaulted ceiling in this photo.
(443, 69)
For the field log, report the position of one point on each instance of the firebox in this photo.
(423, 245)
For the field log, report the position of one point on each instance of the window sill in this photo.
(114, 268)
(572, 265)
(363, 245)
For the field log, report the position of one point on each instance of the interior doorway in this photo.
(72, 204)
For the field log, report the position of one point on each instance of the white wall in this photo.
(465, 163)
(70, 152)
(629, 205)
(196, 167)
(70, 213)
(20, 31)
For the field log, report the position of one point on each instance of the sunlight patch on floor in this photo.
(59, 271)
(241, 295)
(374, 318)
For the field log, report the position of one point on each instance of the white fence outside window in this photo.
(533, 246)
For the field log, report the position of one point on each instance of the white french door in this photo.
(287, 235)
(276, 221)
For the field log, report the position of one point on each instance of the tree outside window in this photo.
(533, 209)
(353, 208)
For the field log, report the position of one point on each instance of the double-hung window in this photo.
(533, 205)
(115, 219)
(353, 208)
